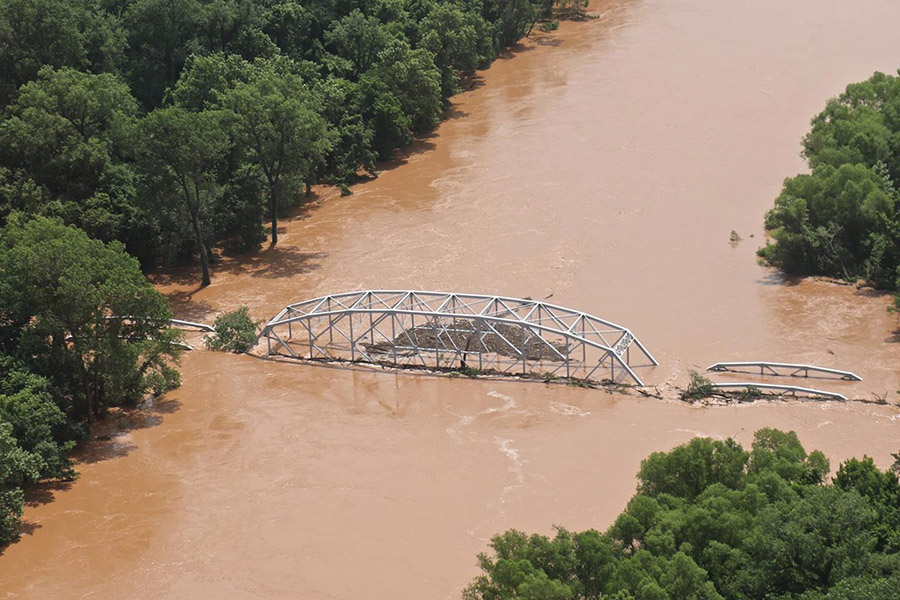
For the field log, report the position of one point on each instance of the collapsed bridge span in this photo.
(441, 330)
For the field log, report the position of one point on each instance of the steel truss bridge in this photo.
(492, 334)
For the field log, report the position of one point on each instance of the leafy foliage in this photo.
(81, 329)
(842, 219)
(699, 387)
(180, 151)
(235, 331)
(275, 114)
(160, 128)
(298, 93)
(32, 444)
(81, 313)
(711, 521)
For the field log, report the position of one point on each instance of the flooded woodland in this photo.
(603, 166)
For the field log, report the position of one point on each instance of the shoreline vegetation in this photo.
(842, 220)
(147, 133)
(174, 126)
(713, 521)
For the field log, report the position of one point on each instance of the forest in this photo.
(713, 521)
(843, 218)
(141, 133)
(172, 125)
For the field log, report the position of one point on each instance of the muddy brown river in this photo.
(605, 164)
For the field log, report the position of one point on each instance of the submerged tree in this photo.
(275, 114)
(81, 313)
(183, 149)
(843, 219)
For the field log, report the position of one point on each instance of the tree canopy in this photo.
(713, 521)
(81, 313)
(307, 92)
(81, 330)
(145, 132)
(842, 219)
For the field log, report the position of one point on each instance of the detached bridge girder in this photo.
(451, 330)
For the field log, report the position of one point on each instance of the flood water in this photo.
(604, 166)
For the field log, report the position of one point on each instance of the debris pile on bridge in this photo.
(463, 334)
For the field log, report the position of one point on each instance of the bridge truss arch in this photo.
(449, 330)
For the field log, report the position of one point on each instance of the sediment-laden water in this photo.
(604, 166)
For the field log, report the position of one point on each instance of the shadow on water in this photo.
(110, 437)
(39, 494)
(184, 306)
(273, 262)
(869, 292)
(109, 440)
(45, 492)
(515, 50)
(779, 278)
(453, 112)
(175, 274)
(471, 82)
(420, 145)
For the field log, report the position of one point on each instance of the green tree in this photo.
(183, 149)
(16, 467)
(689, 469)
(514, 20)
(55, 33)
(206, 79)
(842, 219)
(292, 27)
(836, 221)
(161, 35)
(235, 331)
(68, 132)
(354, 138)
(275, 114)
(402, 96)
(81, 313)
(859, 126)
(770, 529)
(881, 489)
(782, 453)
(460, 42)
(26, 403)
(355, 42)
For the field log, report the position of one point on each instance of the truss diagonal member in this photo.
(530, 312)
(554, 349)
(465, 306)
(443, 305)
(496, 333)
(283, 343)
